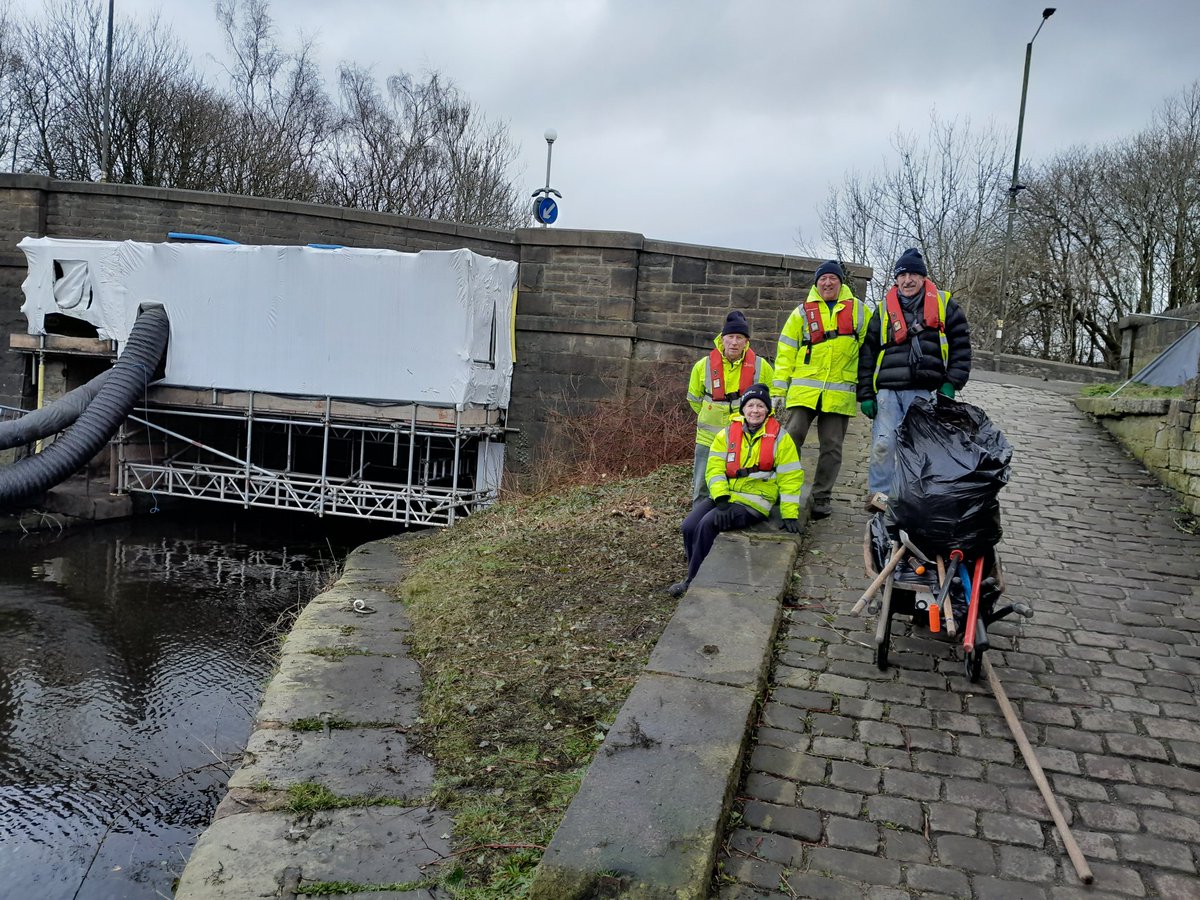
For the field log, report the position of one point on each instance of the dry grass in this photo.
(532, 622)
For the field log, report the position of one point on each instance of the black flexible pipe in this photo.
(52, 418)
(125, 385)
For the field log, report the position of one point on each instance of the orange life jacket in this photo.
(716, 365)
(815, 331)
(766, 450)
(898, 325)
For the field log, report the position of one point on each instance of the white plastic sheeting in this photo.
(433, 327)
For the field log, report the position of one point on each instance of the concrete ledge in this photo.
(648, 817)
(648, 813)
(258, 854)
(1116, 407)
(343, 662)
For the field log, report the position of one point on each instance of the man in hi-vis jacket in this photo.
(717, 383)
(816, 372)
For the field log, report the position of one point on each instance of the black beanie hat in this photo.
(755, 392)
(911, 260)
(830, 267)
(735, 323)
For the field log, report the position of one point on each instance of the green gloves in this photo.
(947, 390)
(869, 408)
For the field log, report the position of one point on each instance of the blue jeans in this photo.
(892, 405)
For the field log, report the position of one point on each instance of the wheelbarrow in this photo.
(948, 592)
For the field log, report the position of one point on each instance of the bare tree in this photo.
(943, 193)
(282, 116)
(422, 149)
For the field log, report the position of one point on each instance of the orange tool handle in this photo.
(973, 609)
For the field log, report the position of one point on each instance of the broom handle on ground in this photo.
(1035, 769)
(879, 579)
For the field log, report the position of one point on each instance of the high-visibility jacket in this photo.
(933, 349)
(713, 415)
(759, 490)
(821, 364)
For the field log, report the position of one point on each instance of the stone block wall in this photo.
(1163, 434)
(1143, 338)
(599, 314)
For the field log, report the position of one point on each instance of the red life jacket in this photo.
(716, 365)
(898, 325)
(815, 332)
(766, 451)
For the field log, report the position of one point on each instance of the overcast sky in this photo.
(726, 123)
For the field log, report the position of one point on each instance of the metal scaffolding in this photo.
(405, 463)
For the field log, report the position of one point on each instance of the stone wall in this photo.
(1144, 337)
(598, 313)
(1163, 434)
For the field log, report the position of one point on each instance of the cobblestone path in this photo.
(907, 783)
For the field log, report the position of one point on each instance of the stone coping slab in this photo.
(351, 762)
(258, 854)
(648, 813)
(738, 654)
(651, 808)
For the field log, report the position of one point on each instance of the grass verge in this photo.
(531, 623)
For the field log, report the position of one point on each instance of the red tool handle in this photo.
(973, 609)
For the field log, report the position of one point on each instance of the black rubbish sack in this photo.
(951, 463)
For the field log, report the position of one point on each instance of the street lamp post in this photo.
(106, 162)
(545, 210)
(1013, 190)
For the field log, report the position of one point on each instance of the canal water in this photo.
(132, 660)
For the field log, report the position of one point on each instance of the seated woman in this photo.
(752, 465)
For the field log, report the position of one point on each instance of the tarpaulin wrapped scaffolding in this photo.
(951, 463)
(433, 327)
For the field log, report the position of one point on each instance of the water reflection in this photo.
(132, 659)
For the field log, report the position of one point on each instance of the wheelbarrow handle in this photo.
(883, 575)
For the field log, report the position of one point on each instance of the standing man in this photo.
(816, 367)
(917, 342)
(718, 381)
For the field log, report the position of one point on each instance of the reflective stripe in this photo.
(712, 429)
(716, 479)
(779, 383)
(789, 498)
(693, 398)
(789, 467)
(760, 503)
(784, 339)
(840, 386)
(761, 476)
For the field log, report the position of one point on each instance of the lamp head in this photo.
(1048, 12)
(552, 135)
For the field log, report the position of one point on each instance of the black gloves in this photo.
(791, 526)
(723, 518)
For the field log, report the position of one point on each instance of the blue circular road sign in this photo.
(545, 210)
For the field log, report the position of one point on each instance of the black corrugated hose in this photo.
(52, 418)
(125, 385)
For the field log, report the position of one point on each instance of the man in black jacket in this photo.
(917, 342)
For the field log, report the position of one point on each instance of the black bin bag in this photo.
(951, 463)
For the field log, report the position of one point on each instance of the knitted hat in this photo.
(830, 267)
(911, 260)
(735, 323)
(755, 392)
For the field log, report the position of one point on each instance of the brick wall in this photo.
(598, 313)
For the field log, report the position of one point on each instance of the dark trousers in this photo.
(831, 434)
(699, 530)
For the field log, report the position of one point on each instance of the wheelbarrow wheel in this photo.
(973, 665)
